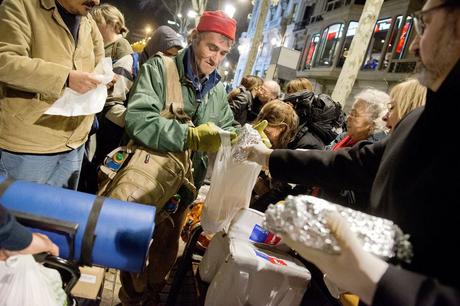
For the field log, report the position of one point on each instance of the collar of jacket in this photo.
(443, 102)
(51, 5)
(448, 88)
(48, 4)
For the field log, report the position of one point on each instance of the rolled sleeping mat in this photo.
(89, 229)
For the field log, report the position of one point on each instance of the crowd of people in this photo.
(379, 158)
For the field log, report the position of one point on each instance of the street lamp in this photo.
(192, 14)
(229, 10)
(171, 22)
(147, 30)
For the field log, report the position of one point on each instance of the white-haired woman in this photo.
(364, 122)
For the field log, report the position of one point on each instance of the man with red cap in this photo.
(205, 102)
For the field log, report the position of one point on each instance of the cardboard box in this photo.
(90, 283)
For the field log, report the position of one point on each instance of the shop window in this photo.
(377, 42)
(312, 50)
(329, 41)
(403, 40)
(352, 27)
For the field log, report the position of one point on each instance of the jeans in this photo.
(59, 169)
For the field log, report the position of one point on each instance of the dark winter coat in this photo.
(412, 183)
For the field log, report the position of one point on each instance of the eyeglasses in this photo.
(419, 23)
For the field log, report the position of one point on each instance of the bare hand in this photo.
(112, 83)
(40, 243)
(82, 82)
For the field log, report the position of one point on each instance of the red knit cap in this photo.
(218, 22)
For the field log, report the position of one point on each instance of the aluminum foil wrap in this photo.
(247, 135)
(303, 219)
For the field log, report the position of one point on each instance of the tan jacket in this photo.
(37, 52)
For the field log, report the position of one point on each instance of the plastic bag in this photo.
(24, 282)
(232, 181)
(73, 103)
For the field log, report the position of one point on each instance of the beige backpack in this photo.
(135, 173)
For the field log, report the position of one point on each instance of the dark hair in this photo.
(452, 2)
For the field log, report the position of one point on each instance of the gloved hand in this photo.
(260, 127)
(258, 153)
(353, 270)
(205, 138)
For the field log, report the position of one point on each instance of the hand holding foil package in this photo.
(303, 219)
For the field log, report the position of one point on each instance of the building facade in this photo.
(323, 31)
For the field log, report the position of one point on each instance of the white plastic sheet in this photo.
(24, 282)
(232, 182)
(74, 104)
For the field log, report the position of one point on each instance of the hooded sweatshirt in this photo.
(162, 39)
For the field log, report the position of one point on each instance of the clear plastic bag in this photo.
(232, 181)
(24, 282)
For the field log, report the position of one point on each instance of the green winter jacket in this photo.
(145, 125)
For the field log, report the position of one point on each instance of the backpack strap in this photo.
(174, 105)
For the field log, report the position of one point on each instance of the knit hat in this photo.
(218, 22)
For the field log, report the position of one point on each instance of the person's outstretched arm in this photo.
(17, 239)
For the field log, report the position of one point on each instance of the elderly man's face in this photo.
(210, 50)
(79, 7)
(438, 47)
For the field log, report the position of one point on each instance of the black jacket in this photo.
(412, 182)
(245, 108)
(13, 236)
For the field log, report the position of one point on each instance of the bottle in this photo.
(172, 204)
(116, 161)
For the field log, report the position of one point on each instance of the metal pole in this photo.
(358, 49)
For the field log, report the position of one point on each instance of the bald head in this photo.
(270, 90)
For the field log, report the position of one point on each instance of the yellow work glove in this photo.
(260, 127)
(205, 138)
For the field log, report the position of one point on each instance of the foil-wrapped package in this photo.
(247, 135)
(303, 219)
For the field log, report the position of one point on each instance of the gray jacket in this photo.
(162, 39)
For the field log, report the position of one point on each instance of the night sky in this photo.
(154, 14)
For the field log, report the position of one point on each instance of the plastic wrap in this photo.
(303, 219)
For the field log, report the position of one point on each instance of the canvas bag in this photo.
(146, 176)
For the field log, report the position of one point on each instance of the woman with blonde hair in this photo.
(111, 120)
(297, 85)
(111, 24)
(280, 130)
(405, 97)
(282, 122)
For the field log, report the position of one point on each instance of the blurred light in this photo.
(229, 10)
(243, 48)
(275, 41)
(226, 64)
(225, 72)
(179, 15)
(172, 22)
(147, 29)
(192, 14)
